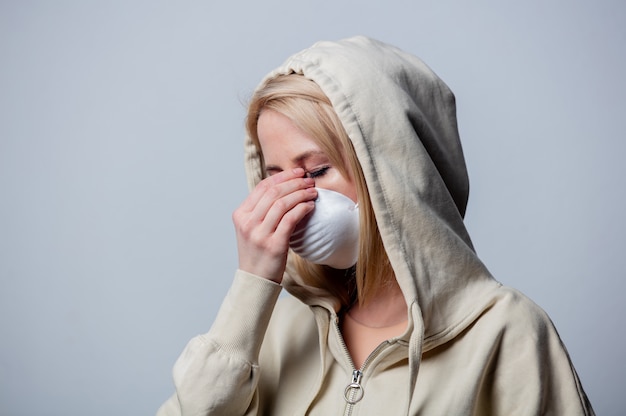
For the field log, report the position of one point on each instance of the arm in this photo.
(217, 373)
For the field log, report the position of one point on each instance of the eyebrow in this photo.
(298, 159)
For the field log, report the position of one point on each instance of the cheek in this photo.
(351, 193)
(338, 183)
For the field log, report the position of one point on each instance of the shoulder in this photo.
(514, 312)
(527, 358)
(288, 302)
(516, 329)
(508, 323)
(292, 326)
(291, 348)
(290, 312)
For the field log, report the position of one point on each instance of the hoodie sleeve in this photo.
(217, 373)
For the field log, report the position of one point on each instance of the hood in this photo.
(401, 119)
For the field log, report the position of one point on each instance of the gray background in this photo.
(121, 162)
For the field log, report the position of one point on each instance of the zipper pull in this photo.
(354, 392)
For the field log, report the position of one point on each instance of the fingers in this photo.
(266, 219)
(288, 222)
(284, 213)
(278, 199)
(276, 195)
(288, 179)
(271, 203)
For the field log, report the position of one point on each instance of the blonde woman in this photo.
(359, 190)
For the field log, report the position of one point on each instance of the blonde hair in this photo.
(304, 103)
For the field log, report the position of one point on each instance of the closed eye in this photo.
(318, 172)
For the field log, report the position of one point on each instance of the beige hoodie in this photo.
(473, 347)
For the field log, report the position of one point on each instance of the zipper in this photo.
(354, 391)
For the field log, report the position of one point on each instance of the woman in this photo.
(355, 164)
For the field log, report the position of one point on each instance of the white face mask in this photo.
(330, 234)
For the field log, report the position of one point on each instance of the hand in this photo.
(266, 219)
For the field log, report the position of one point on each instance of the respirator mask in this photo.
(329, 235)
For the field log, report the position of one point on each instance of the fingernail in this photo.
(298, 171)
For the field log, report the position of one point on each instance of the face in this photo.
(285, 147)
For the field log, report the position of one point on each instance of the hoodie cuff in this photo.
(242, 320)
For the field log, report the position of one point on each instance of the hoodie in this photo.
(472, 346)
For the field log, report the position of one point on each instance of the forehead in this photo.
(280, 138)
